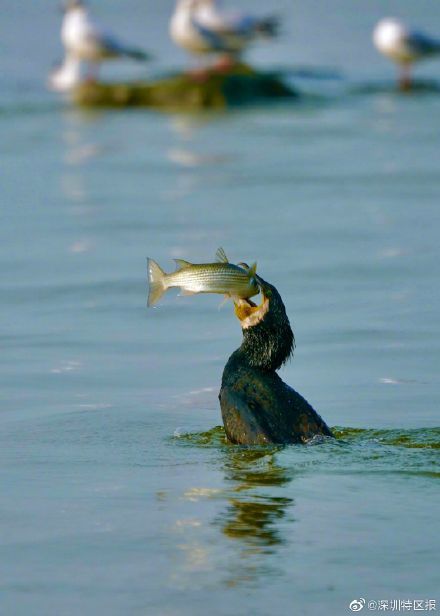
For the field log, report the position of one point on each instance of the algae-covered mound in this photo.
(240, 86)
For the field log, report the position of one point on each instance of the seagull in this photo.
(404, 46)
(199, 27)
(86, 41)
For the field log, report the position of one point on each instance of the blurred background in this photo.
(107, 503)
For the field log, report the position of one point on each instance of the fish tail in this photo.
(156, 279)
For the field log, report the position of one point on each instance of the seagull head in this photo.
(388, 34)
(73, 5)
(192, 4)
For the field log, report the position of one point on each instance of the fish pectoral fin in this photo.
(220, 256)
(225, 299)
(253, 269)
(181, 264)
(187, 292)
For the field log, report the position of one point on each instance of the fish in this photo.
(233, 281)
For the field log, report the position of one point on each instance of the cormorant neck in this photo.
(268, 339)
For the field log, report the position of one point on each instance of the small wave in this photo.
(419, 86)
(417, 438)
(215, 437)
(36, 107)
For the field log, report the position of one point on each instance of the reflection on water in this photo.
(256, 514)
(253, 521)
(197, 160)
(186, 125)
(79, 148)
(82, 144)
(255, 511)
(73, 189)
(255, 507)
(187, 158)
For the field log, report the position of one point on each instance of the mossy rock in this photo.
(182, 91)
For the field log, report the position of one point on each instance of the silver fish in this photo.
(221, 277)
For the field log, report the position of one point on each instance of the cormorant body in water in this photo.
(257, 406)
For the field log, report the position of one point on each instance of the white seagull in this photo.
(404, 46)
(199, 27)
(86, 41)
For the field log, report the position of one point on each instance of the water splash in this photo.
(417, 438)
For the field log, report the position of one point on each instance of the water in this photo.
(119, 494)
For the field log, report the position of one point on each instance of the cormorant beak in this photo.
(249, 313)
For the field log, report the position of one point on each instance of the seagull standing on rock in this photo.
(200, 27)
(404, 46)
(85, 40)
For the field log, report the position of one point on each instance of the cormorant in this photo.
(257, 407)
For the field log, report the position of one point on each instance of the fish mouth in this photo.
(250, 314)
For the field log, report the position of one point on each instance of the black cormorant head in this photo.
(268, 340)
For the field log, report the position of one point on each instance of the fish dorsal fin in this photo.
(220, 256)
(253, 269)
(181, 264)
